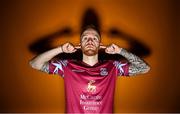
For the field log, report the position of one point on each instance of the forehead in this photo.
(90, 32)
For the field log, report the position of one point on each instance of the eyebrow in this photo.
(86, 35)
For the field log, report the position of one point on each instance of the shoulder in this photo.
(59, 61)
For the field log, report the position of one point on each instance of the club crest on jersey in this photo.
(103, 72)
(90, 87)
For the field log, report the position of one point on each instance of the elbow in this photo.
(31, 63)
(34, 65)
(147, 69)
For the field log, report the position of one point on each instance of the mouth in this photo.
(89, 46)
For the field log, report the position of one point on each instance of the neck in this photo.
(90, 60)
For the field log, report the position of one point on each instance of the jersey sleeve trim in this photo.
(122, 67)
(57, 67)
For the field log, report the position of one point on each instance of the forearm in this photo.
(137, 65)
(43, 58)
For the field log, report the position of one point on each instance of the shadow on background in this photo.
(90, 17)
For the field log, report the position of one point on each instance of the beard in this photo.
(90, 52)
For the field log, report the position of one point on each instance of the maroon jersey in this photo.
(89, 89)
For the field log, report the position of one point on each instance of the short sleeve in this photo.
(57, 67)
(122, 68)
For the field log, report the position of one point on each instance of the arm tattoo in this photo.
(137, 65)
(45, 67)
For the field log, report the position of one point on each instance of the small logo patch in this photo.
(103, 72)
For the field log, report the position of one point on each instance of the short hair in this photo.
(90, 27)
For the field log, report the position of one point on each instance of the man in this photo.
(89, 84)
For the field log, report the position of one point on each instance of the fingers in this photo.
(68, 48)
(102, 46)
(113, 49)
(77, 47)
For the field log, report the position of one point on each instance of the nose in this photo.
(90, 39)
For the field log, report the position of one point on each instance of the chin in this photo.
(90, 52)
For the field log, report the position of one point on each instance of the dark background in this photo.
(147, 27)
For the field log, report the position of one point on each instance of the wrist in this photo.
(60, 49)
(120, 50)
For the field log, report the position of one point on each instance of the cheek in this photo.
(82, 44)
(97, 44)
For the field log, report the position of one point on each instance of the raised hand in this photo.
(111, 49)
(69, 48)
(78, 46)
